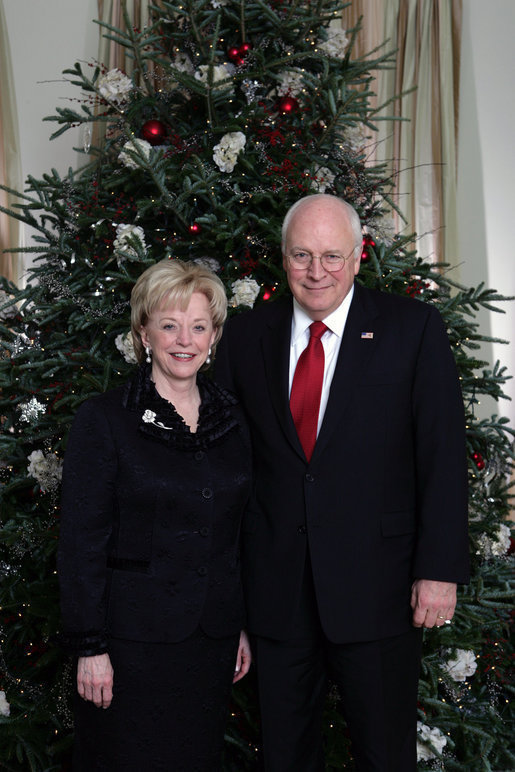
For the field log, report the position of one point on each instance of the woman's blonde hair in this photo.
(172, 283)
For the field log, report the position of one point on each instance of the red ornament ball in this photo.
(479, 461)
(244, 49)
(154, 131)
(195, 229)
(287, 105)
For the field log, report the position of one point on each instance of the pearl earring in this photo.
(148, 352)
(208, 358)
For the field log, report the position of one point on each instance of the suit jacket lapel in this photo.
(276, 356)
(355, 352)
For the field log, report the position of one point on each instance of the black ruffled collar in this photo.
(160, 420)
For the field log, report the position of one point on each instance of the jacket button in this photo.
(207, 493)
(199, 455)
(301, 529)
(202, 571)
(204, 531)
(310, 478)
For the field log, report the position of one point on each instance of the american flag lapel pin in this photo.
(367, 335)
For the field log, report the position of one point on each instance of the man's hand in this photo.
(95, 679)
(433, 603)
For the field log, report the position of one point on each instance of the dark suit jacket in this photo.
(383, 500)
(150, 519)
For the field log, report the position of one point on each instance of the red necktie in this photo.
(307, 388)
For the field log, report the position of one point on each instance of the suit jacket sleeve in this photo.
(87, 515)
(440, 460)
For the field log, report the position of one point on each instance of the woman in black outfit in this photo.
(156, 476)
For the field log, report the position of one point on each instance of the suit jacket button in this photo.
(199, 455)
(310, 478)
(202, 571)
(301, 529)
(207, 493)
(204, 531)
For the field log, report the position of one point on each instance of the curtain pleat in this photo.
(10, 167)
(420, 150)
(112, 55)
(111, 12)
(449, 92)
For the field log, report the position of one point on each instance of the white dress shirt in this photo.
(331, 340)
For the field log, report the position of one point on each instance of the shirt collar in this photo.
(335, 320)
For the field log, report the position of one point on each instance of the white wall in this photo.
(46, 36)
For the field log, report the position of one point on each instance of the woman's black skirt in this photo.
(169, 708)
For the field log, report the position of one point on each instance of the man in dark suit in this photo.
(356, 534)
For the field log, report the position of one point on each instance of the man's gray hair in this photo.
(353, 216)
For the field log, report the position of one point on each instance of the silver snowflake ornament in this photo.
(30, 411)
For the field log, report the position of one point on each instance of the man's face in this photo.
(320, 227)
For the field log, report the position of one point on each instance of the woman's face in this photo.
(180, 340)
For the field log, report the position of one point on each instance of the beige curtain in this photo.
(110, 11)
(421, 152)
(10, 167)
(111, 54)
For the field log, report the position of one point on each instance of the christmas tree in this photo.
(234, 110)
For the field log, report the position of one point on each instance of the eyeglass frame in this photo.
(291, 258)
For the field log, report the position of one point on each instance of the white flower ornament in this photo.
(291, 83)
(429, 739)
(225, 154)
(461, 665)
(5, 708)
(337, 42)
(498, 545)
(134, 153)
(115, 86)
(46, 468)
(125, 233)
(219, 73)
(125, 346)
(245, 292)
(323, 179)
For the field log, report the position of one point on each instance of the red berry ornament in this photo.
(368, 241)
(195, 229)
(237, 54)
(479, 461)
(234, 54)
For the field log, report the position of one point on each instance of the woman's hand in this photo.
(95, 679)
(243, 659)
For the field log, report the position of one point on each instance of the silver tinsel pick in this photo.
(21, 342)
(250, 88)
(30, 410)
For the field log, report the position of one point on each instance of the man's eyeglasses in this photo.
(302, 260)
